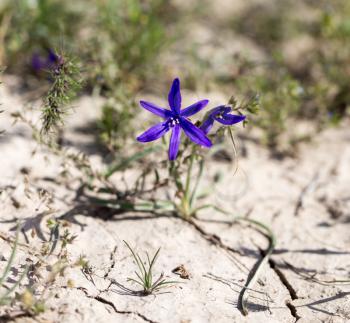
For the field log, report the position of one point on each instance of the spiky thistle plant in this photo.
(67, 81)
(145, 275)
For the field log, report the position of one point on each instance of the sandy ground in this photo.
(305, 201)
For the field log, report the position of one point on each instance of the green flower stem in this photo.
(196, 185)
(186, 200)
(188, 179)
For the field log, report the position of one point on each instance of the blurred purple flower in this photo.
(175, 119)
(222, 115)
(40, 63)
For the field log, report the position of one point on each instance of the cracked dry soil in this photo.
(301, 282)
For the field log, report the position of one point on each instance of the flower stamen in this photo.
(172, 122)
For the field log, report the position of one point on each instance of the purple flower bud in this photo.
(221, 114)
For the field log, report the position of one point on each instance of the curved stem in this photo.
(253, 275)
(186, 199)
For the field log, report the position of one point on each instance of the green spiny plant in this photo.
(66, 82)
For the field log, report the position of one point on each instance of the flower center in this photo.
(172, 122)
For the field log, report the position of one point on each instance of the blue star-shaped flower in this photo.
(175, 119)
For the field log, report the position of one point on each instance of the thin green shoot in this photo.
(4, 298)
(145, 275)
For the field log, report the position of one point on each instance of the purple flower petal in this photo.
(195, 134)
(222, 115)
(194, 108)
(154, 132)
(174, 96)
(37, 63)
(207, 125)
(52, 57)
(229, 119)
(174, 142)
(164, 113)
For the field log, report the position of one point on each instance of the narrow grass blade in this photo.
(135, 281)
(12, 256)
(139, 277)
(134, 255)
(143, 268)
(148, 259)
(14, 286)
(163, 283)
(207, 206)
(154, 259)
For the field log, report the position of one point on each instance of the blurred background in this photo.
(292, 56)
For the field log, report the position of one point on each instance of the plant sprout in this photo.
(145, 276)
